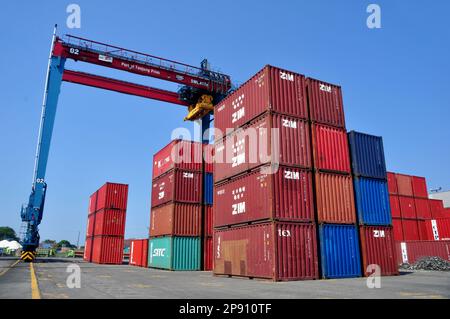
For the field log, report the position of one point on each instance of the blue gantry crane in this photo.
(201, 89)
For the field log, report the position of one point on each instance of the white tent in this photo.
(13, 245)
(4, 243)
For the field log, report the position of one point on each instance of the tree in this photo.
(65, 243)
(8, 233)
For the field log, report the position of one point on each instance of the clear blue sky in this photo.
(395, 82)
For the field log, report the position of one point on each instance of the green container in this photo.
(174, 253)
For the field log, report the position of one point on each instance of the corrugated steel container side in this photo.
(425, 232)
(186, 155)
(277, 251)
(339, 249)
(138, 252)
(112, 195)
(285, 195)
(107, 250)
(93, 203)
(208, 157)
(423, 210)
(392, 183)
(404, 185)
(110, 222)
(412, 251)
(271, 89)
(208, 188)
(367, 154)
(209, 221)
(178, 185)
(410, 229)
(419, 186)
(208, 254)
(395, 206)
(398, 229)
(88, 250)
(325, 103)
(378, 248)
(372, 201)
(436, 207)
(174, 253)
(437, 229)
(334, 198)
(176, 219)
(330, 148)
(259, 143)
(90, 225)
(443, 225)
(407, 207)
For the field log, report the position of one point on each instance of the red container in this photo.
(397, 228)
(410, 229)
(377, 247)
(93, 203)
(257, 144)
(412, 251)
(437, 229)
(436, 207)
(423, 210)
(90, 225)
(277, 251)
(271, 89)
(443, 225)
(392, 183)
(112, 195)
(330, 148)
(425, 232)
(208, 155)
(334, 198)
(404, 185)
(208, 254)
(176, 219)
(107, 250)
(88, 249)
(209, 221)
(139, 252)
(325, 103)
(419, 186)
(407, 207)
(395, 206)
(285, 195)
(110, 222)
(177, 186)
(180, 154)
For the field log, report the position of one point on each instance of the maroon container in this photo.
(209, 220)
(392, 183)
(208, 254)
(277, 251)
(419, 186)
(208, 155)
(112, 195)
(395, 206)
(110, 222)
(107, 250)
(377, 247)
(330, 148)
(178, 186)
(180, 154)
(88, 249)
(285, 195)
(256, 145)
(423, 210)
(271, 89)
(325, 103)
(176, 219)
(404, 185)
(397, 228)
(412, 251)
(410, 229)
(407, 207)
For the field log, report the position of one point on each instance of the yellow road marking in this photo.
(6, 270)
(35, 294)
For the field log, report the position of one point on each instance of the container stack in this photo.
(339, 245)
(208, 216)
(106, 224)
(176, 213)
(372, 203)
(263, 199)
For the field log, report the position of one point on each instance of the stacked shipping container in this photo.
(106, 224)
(372, 203)
(263, 200)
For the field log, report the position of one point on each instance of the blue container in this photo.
(372, 201)
(209, 183)
(339, 250)
(367, 155)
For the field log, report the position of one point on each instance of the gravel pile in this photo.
(428, 263)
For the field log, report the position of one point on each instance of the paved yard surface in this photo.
(107, 281)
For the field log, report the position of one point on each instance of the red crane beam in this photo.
(121, 86)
